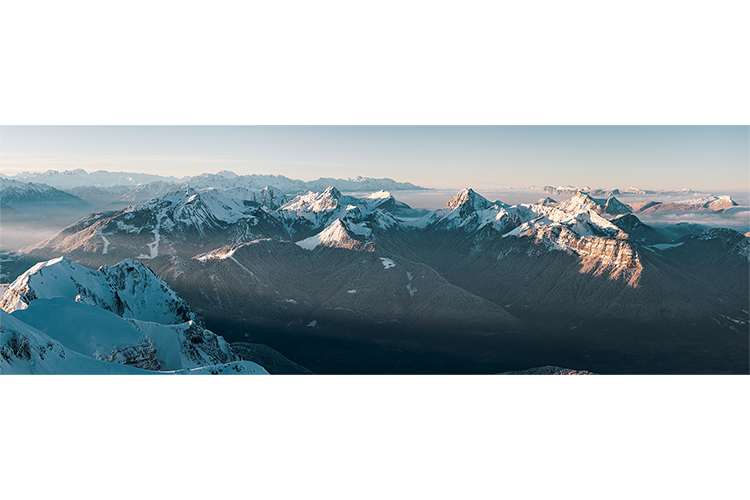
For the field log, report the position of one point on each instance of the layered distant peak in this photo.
(721, 203)
(582, 202)
(72, 178)
(40, 199)
(468, 200)
(706, 203)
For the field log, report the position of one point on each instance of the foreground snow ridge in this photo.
(62, 318)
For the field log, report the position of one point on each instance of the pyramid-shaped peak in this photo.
(333, 192)
(468, 198)
(579, 201)
(546, 201)
(613, 206)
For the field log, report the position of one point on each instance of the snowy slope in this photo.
(25, 350)
(339, 234)
(311, 213)
(128, 289)
(122, 314)
(103, 335)
(703, 204)
(180, 223)
(576, 226)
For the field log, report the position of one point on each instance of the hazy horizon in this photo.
(710, 158)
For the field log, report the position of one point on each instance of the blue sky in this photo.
(708, 158)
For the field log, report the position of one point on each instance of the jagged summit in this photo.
(339, 234)
(128, 289)
(604, 206)
(469, 199)
(580, 202)
(310, 203)
(546, 201)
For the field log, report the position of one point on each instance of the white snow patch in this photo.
(378, 196)
(291, 301)
(348, 291)
(664, 246)
(153, 246)
(387, 263)
(106, 243)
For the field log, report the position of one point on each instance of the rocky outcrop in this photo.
(549, 370)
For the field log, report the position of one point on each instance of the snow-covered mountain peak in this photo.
(328, 200)
(196, 207)
(382, 194)
(58, 336)
(129, 289)
(580, 202)
(339, 234)
(468, 199)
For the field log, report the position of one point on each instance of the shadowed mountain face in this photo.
(341, 285)
(33, 198)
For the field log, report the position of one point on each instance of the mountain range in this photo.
(344, 284)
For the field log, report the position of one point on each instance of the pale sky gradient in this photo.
(653, 157)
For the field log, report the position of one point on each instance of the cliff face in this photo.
(611, 257)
